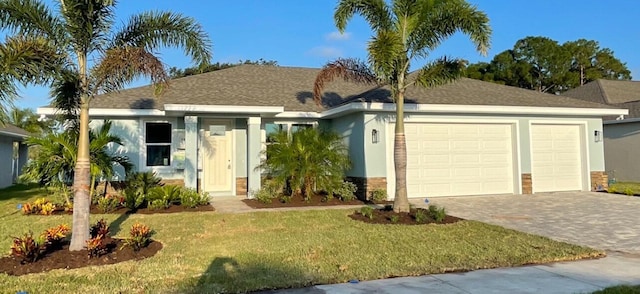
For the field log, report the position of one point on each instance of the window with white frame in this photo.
(158, 143)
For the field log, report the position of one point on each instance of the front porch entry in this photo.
(217, 157)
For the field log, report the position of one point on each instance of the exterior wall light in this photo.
(375, 136)
(597, 136)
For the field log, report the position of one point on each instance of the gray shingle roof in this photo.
(620, 94)
(9, 129)
(291, 87)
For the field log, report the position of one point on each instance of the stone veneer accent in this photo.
(178, 182)
(527, 185)
(599, 180)
(367, 185)
(241, 186)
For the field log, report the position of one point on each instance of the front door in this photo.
(217, 159)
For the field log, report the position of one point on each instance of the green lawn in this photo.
(624, 289)
(625, 188)
(212, 252)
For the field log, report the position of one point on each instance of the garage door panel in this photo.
(556, 158)
(459, 159)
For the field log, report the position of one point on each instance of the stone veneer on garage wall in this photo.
(367, 185)
(527, 185)
(599, 180)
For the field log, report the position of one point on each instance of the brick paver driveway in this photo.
(598, 220)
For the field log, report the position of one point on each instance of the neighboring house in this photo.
(466, 138)
(621, 134)
(11, 163)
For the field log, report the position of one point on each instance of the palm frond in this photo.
(152, 30)
(350, 70)
(440, 72)
(120, 66)
(88, 23)
(26, 60)
(384, 49)
(31, 17)
(65, 92)
(375, 12)
(439, 20)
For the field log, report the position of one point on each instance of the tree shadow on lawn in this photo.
(227, 275)
(22, 192)
(116, 225)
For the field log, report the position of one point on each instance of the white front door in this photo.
(556, 152)
(217, 157)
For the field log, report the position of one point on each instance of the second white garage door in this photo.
(450, 159)
(556, 155)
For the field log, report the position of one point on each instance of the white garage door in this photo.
(556, 158)
(449, 159)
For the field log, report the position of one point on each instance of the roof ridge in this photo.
(603, 93)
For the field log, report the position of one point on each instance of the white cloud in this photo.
(325, 51)
(337, 36)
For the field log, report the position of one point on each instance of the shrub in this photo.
(266, 194)
(346, 191)
(367, 211)
(143, 182)
(628, 191)
(285, 199)
(157, 204)
(133, 198)
(167, 195)
(191, 198)
(27, 248)
(437, 213)
(97, 244)
(99, 229)
(421, 216)
(54, 236)
(306, 161)
(394, 218)
(40, 206)
(108, 203)
(379, 195)
(139, 236)
(612, 189)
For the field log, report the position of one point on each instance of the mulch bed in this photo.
(298, 201)
(145, 210)
(383, 216)
(65, 259)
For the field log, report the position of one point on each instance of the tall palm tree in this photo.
(78, 50)
(405, 31)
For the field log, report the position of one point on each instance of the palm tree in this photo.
(405, 31)
(58, 153)
(79, 51)
(28, 120)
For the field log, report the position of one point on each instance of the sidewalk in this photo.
(565, 277)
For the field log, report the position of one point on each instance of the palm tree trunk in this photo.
(81, 185)
(82, 177)
(401, 202)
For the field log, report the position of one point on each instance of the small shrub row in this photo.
(269, 192)
(29, 249)
(421, 216)
(144, 189)
(40, 206)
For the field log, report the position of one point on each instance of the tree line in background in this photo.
(544, 65)
(175, 72)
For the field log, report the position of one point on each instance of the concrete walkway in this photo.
(565, 277)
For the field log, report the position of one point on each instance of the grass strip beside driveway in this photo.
(212, 252)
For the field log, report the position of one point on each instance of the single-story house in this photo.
(10, 163)
(465, 138)
(621, 133)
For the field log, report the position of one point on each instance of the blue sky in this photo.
(302, 33)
